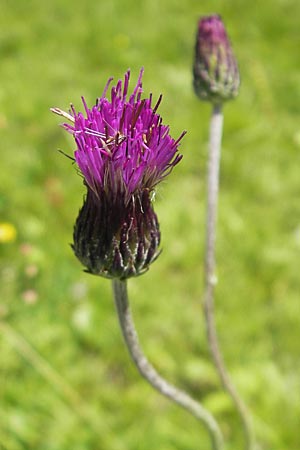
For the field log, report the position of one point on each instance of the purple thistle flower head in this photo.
(216, 74)
(123, 150)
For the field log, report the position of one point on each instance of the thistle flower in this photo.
(123, 151)
(216, 75)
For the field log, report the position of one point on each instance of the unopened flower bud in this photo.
(216, 74)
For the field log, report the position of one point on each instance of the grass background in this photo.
(66, 380)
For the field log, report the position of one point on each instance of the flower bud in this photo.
(216, 75)
(116, 241)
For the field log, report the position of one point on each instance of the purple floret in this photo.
(122, 145)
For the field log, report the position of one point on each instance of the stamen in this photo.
(62, 113)
(91, 132)
(106, 87)
(126, 83)
(137, 113)
(157, 104)
(87, 110)
(138, 89)
(179, 139)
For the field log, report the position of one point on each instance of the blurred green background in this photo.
(66, 380)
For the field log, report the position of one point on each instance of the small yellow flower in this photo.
(8, 232)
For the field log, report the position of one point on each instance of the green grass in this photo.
(66, 380)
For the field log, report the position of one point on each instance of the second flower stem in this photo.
(216, 127)
(151, 375)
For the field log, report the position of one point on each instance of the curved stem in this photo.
(148, 372)
(210, 277)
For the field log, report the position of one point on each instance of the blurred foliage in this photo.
(66, 379)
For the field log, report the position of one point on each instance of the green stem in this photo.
(151, 375)
(210, 276)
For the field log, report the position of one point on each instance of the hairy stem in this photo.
(210, 276)
(151, 375)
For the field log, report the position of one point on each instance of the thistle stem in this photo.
(151, 375)
(210, 276)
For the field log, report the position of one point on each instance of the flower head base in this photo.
(123, 151)
(216, 75)
(116, 241)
